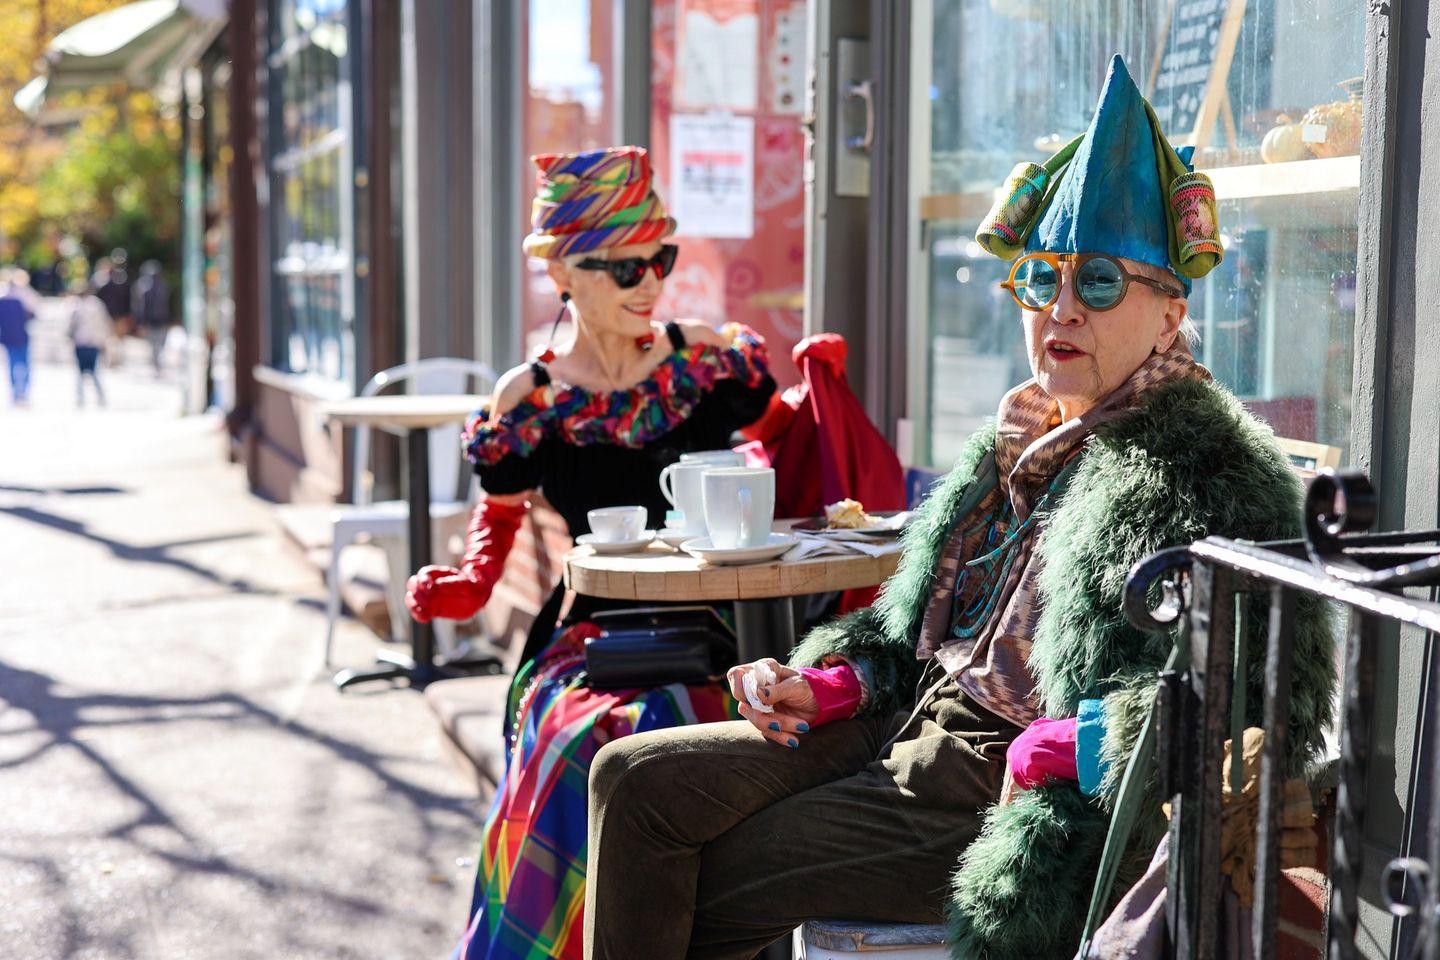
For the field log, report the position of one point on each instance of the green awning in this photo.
(139, 43)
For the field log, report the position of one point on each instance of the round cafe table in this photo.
(412, 415)
(761, 592)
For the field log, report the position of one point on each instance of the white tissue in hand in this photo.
(752, 686)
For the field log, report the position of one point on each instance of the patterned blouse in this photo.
(586, 449)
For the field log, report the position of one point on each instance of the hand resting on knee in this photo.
(799, 699)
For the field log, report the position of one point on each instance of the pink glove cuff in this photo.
(836, 690)
(1044, 752)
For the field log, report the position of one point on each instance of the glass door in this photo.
(1268, 90)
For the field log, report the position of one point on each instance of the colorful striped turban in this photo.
(601, 198)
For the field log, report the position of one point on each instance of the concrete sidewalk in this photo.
(178, 779)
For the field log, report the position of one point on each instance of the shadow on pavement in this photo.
(62, 717)
(159, 553)
(63, 491)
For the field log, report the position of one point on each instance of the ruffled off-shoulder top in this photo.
(587, 449)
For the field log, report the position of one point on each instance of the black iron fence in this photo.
(1366, 573)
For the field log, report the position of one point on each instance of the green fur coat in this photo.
(1189, 462)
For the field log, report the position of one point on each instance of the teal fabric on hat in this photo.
(1110, 198)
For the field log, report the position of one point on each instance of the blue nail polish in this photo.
(765, 690)
(775, 727)
(803, 727)
(793, 742)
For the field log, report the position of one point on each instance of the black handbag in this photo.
(654, 646)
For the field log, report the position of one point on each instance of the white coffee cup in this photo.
(739, 506)
(680, 484)
(716, 458)
(617, 524)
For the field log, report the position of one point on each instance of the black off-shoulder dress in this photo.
(588, 449)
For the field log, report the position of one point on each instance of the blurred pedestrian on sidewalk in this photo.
(151, 304)
(90, 330)
(111, 284)
(15, 315)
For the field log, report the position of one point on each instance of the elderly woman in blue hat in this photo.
(864, 782)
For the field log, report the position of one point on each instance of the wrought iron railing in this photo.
(1367, 573)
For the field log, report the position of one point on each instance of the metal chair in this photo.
(386, 521)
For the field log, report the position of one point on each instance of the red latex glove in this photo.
(1045, 751)
(458, 594)
(827, 348)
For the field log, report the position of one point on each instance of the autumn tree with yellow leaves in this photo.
(100, 167)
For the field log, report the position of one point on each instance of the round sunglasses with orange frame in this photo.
(1101, 281)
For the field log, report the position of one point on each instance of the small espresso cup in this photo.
(617, 524)
(680, 484)
(739, 506)
(716, 458)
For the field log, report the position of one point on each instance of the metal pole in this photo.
(1430, 896)
(1272, 771)
(1195, 815)
(1348, 841)
(245, 219)
(764, 628)
(422, 636)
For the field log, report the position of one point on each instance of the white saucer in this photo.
(673, 538)
(615, 546)
(700, 548)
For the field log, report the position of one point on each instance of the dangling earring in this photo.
(547, 353)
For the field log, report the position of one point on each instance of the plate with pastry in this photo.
(848, 518)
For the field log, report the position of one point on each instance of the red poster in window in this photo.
(757, 280)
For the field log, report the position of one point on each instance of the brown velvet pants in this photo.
(710, 841)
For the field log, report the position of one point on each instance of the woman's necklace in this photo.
(595, 371)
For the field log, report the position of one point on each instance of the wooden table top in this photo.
(404, 411)
(660, 573)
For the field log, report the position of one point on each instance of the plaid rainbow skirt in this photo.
(530, 887)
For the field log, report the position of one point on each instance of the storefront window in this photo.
(726, 94)
(310, 189)
(997, 82)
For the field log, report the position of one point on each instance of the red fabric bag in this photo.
(823, 446)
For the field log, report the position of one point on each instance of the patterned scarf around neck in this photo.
(1032, 445)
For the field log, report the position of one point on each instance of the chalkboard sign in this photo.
(1190, 67)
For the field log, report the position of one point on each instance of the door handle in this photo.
(864, 91)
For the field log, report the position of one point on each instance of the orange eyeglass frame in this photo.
(1080, 259)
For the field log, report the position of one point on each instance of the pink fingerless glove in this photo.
(1045, 751)
(836, 690)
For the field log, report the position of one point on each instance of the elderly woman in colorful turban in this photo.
(863, 782)
(590, 423)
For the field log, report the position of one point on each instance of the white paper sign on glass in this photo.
(712, 174)
(739, 506)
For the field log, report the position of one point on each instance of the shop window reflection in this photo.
(1001, 81)
(307, 60)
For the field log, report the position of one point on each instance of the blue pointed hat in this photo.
(1119, 189)
(1110, 199)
